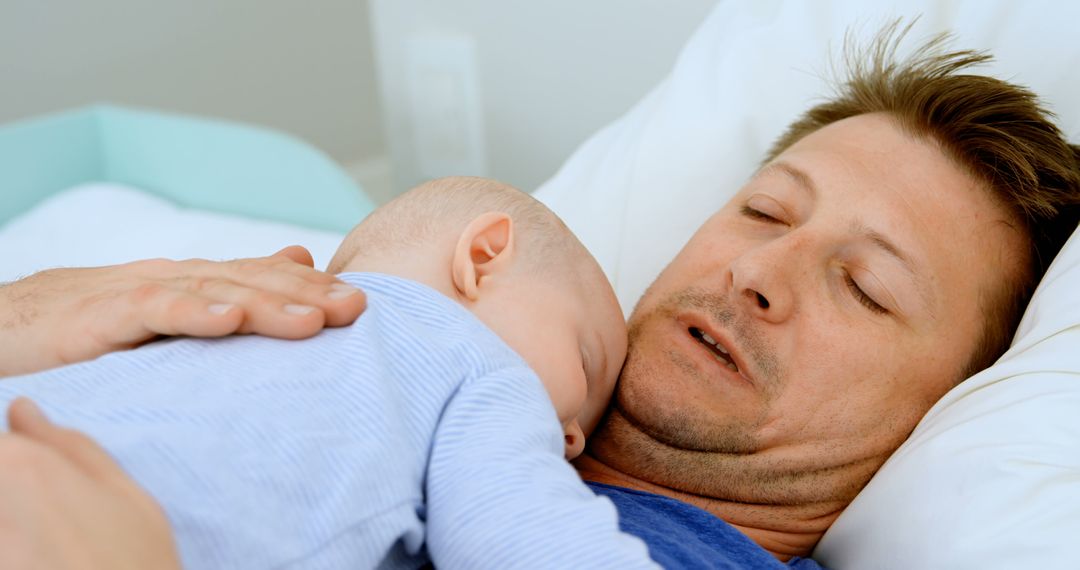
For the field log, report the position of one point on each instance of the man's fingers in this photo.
(149, 310)
(277, 316)
(224, 308)
(305, 272)
(279, 300)
(26, 419)
(178, 312)
(64, 502)
(339, 302)
(347, 307)
(297, 253)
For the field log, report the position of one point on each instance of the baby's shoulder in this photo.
(417, 319)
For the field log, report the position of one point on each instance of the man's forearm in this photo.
(17, 312)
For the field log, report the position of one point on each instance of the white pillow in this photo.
(104, 223)
(991, 477)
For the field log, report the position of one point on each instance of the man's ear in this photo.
(486, 246)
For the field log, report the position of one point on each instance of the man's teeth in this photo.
(712, 341)
(719, 348)
(730, 365)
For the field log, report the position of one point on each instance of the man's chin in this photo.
(649, 406)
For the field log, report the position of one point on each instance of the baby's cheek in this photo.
(574, 392)
(559, 397)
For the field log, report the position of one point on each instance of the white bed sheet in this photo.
(105, 223)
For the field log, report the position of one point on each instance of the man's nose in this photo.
(761, 280)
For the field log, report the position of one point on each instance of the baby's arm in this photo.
(500, 494)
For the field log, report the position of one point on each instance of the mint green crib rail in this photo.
(199, 163)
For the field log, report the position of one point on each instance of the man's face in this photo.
(847, 281)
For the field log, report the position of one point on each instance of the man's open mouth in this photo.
(722, 354)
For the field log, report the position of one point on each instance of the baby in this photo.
(514, 265)
(433, 428)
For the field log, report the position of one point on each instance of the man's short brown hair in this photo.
(998, 131)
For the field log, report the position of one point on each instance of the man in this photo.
(883, 253)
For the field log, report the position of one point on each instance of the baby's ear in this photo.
(575, 440)
(485, 247)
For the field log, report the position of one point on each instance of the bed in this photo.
(989, 478)
(102, 185)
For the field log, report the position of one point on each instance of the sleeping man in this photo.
(883, 252)
(419, 431)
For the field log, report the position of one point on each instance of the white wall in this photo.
(548, 73)
(303, 67)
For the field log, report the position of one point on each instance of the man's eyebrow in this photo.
(884, 243)
(888, 246)
(799, 176)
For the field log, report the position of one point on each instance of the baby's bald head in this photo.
(443, 207)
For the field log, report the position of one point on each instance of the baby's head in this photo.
(515, 265)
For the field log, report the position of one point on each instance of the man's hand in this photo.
(61, 316)
(65, 504)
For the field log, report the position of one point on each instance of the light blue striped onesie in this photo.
(413, 434)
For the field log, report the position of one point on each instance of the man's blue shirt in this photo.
(680, 535)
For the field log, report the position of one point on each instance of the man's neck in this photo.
(792, 532)
(786, 515)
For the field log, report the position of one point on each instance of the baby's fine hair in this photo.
(437, 207)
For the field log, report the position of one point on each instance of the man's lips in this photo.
(718, 344)
(719, 351)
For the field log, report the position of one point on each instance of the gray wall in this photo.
(303, 67)
(546, 73)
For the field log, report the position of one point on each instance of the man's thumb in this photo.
(25, 418)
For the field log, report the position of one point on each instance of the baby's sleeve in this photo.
(501, 495)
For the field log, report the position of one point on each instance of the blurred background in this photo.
(395, 91)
